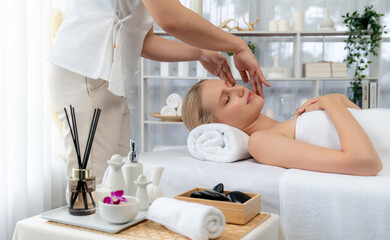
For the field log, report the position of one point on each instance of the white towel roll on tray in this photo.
(168, 111)
(194, 220)
(174, 100)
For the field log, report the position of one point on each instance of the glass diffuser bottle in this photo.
(82, 192)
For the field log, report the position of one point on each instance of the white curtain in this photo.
(26, 169)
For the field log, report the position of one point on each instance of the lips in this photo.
(250, 97)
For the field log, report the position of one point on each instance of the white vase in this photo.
(233, 69)
(326, 23)
(142, 193)
(154, 189)
(115, 179)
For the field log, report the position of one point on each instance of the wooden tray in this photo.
(234, 212)
(166, 118)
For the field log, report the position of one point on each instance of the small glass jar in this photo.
(82, 192)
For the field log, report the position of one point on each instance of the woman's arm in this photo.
(164, 50)
(357, 155)
(190, 28)
(310, 105)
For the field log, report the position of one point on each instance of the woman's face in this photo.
(235, 105)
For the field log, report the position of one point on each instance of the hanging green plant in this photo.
(364, 36)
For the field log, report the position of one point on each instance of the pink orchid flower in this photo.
(116, 198)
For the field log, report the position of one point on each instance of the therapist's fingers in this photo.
(244, 77)
(262, 78)
(229, 74)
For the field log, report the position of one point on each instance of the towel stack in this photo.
(173, 107)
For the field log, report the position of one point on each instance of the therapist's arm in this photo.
(190, 28)
(161, 49)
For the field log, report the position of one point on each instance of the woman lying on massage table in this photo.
(275, 143)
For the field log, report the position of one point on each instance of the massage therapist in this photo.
(95, 55)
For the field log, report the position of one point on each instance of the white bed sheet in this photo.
(182, 173)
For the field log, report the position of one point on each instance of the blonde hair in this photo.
(192, 111)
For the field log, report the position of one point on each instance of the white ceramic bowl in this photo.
(121, 213)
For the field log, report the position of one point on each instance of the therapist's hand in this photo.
(216, 64)
(245, 61)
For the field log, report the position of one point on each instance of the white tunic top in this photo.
(97, 39)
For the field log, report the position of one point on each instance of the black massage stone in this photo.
(218, 188)
(237, 197)
(210, 194)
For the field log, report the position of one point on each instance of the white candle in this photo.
(201, 72)
(164, 69)
(183, 69)
(197, 6)
(283, 25)
(273, 26)
(297, 21)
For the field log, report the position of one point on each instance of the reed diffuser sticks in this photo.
(74, 133)
(82, 186)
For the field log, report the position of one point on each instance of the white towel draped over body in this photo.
(218, 142)
(318, 205)
(174, 100)
(168, 111)
(196, 221)
(317, 128)
(325, 206)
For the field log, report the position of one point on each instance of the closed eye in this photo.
(227, 100)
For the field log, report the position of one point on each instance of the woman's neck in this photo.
(262, 123)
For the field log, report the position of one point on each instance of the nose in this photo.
(239, 89)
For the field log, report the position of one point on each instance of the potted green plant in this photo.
(235, 72)
(364, 35)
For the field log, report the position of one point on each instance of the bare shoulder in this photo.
(285, 128)
(261, 142)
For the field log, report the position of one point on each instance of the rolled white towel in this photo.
(218, 143)
(174, 100)
(178, 110)
(194, 220)
(168, 111)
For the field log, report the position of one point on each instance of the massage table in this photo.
(311, 205)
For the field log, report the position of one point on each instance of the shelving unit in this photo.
(297, 38)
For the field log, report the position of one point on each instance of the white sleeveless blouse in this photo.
(97, 40)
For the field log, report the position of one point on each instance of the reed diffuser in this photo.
(82, 183)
